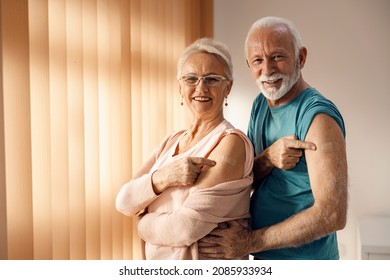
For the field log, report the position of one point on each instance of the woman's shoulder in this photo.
(238, 134)
(169, 140)
(235, 144)
(173, 135)
(231, 129)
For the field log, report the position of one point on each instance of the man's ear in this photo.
(302, 57)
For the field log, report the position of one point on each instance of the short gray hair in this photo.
(272, 22)
(211, 46)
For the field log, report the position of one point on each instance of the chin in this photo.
(273, 94)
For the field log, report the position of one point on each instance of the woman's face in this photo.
(206, 99)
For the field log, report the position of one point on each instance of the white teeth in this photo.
(201, 98)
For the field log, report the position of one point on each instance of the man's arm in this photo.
(327, 167)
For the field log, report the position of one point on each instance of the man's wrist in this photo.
(255, 242)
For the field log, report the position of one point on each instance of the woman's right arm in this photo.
(137, 194)
(146, 186)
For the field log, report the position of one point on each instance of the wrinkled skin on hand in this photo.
(229, 240)
(286, 152)
(182, 172)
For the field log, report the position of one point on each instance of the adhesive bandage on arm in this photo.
(227, 159)
(329, 147)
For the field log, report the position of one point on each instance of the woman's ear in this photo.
(228, 88)
(179, 86)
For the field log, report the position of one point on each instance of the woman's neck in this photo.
(199, 129)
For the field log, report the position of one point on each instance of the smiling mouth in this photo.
(201, 99)
(272, 81)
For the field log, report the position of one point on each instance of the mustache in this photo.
(272, 78)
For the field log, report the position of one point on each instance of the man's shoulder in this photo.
(312, 98)
(311, 94)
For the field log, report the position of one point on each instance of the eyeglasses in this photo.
(210, 80)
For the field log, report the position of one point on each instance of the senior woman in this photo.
(198, 177)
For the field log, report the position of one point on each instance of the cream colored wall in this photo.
(348, 58)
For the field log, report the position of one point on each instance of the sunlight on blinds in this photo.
(88, 91)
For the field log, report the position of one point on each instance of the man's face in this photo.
(272, 60)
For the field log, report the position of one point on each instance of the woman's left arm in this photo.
(186, 224)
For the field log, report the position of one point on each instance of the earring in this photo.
(181, 103)
(226, 102)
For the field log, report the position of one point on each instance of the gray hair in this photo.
(272, 22)
(211, 46)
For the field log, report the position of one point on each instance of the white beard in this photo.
(288, 81)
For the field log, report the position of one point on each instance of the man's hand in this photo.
(229, 240)
(286, 152)
(283, 154)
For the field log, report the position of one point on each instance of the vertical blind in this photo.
(88, 89)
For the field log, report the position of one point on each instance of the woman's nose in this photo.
(201, 86)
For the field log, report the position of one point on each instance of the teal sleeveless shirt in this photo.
(284, 193)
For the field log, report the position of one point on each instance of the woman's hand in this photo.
(182, 172)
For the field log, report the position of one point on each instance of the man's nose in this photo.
(268, 67)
